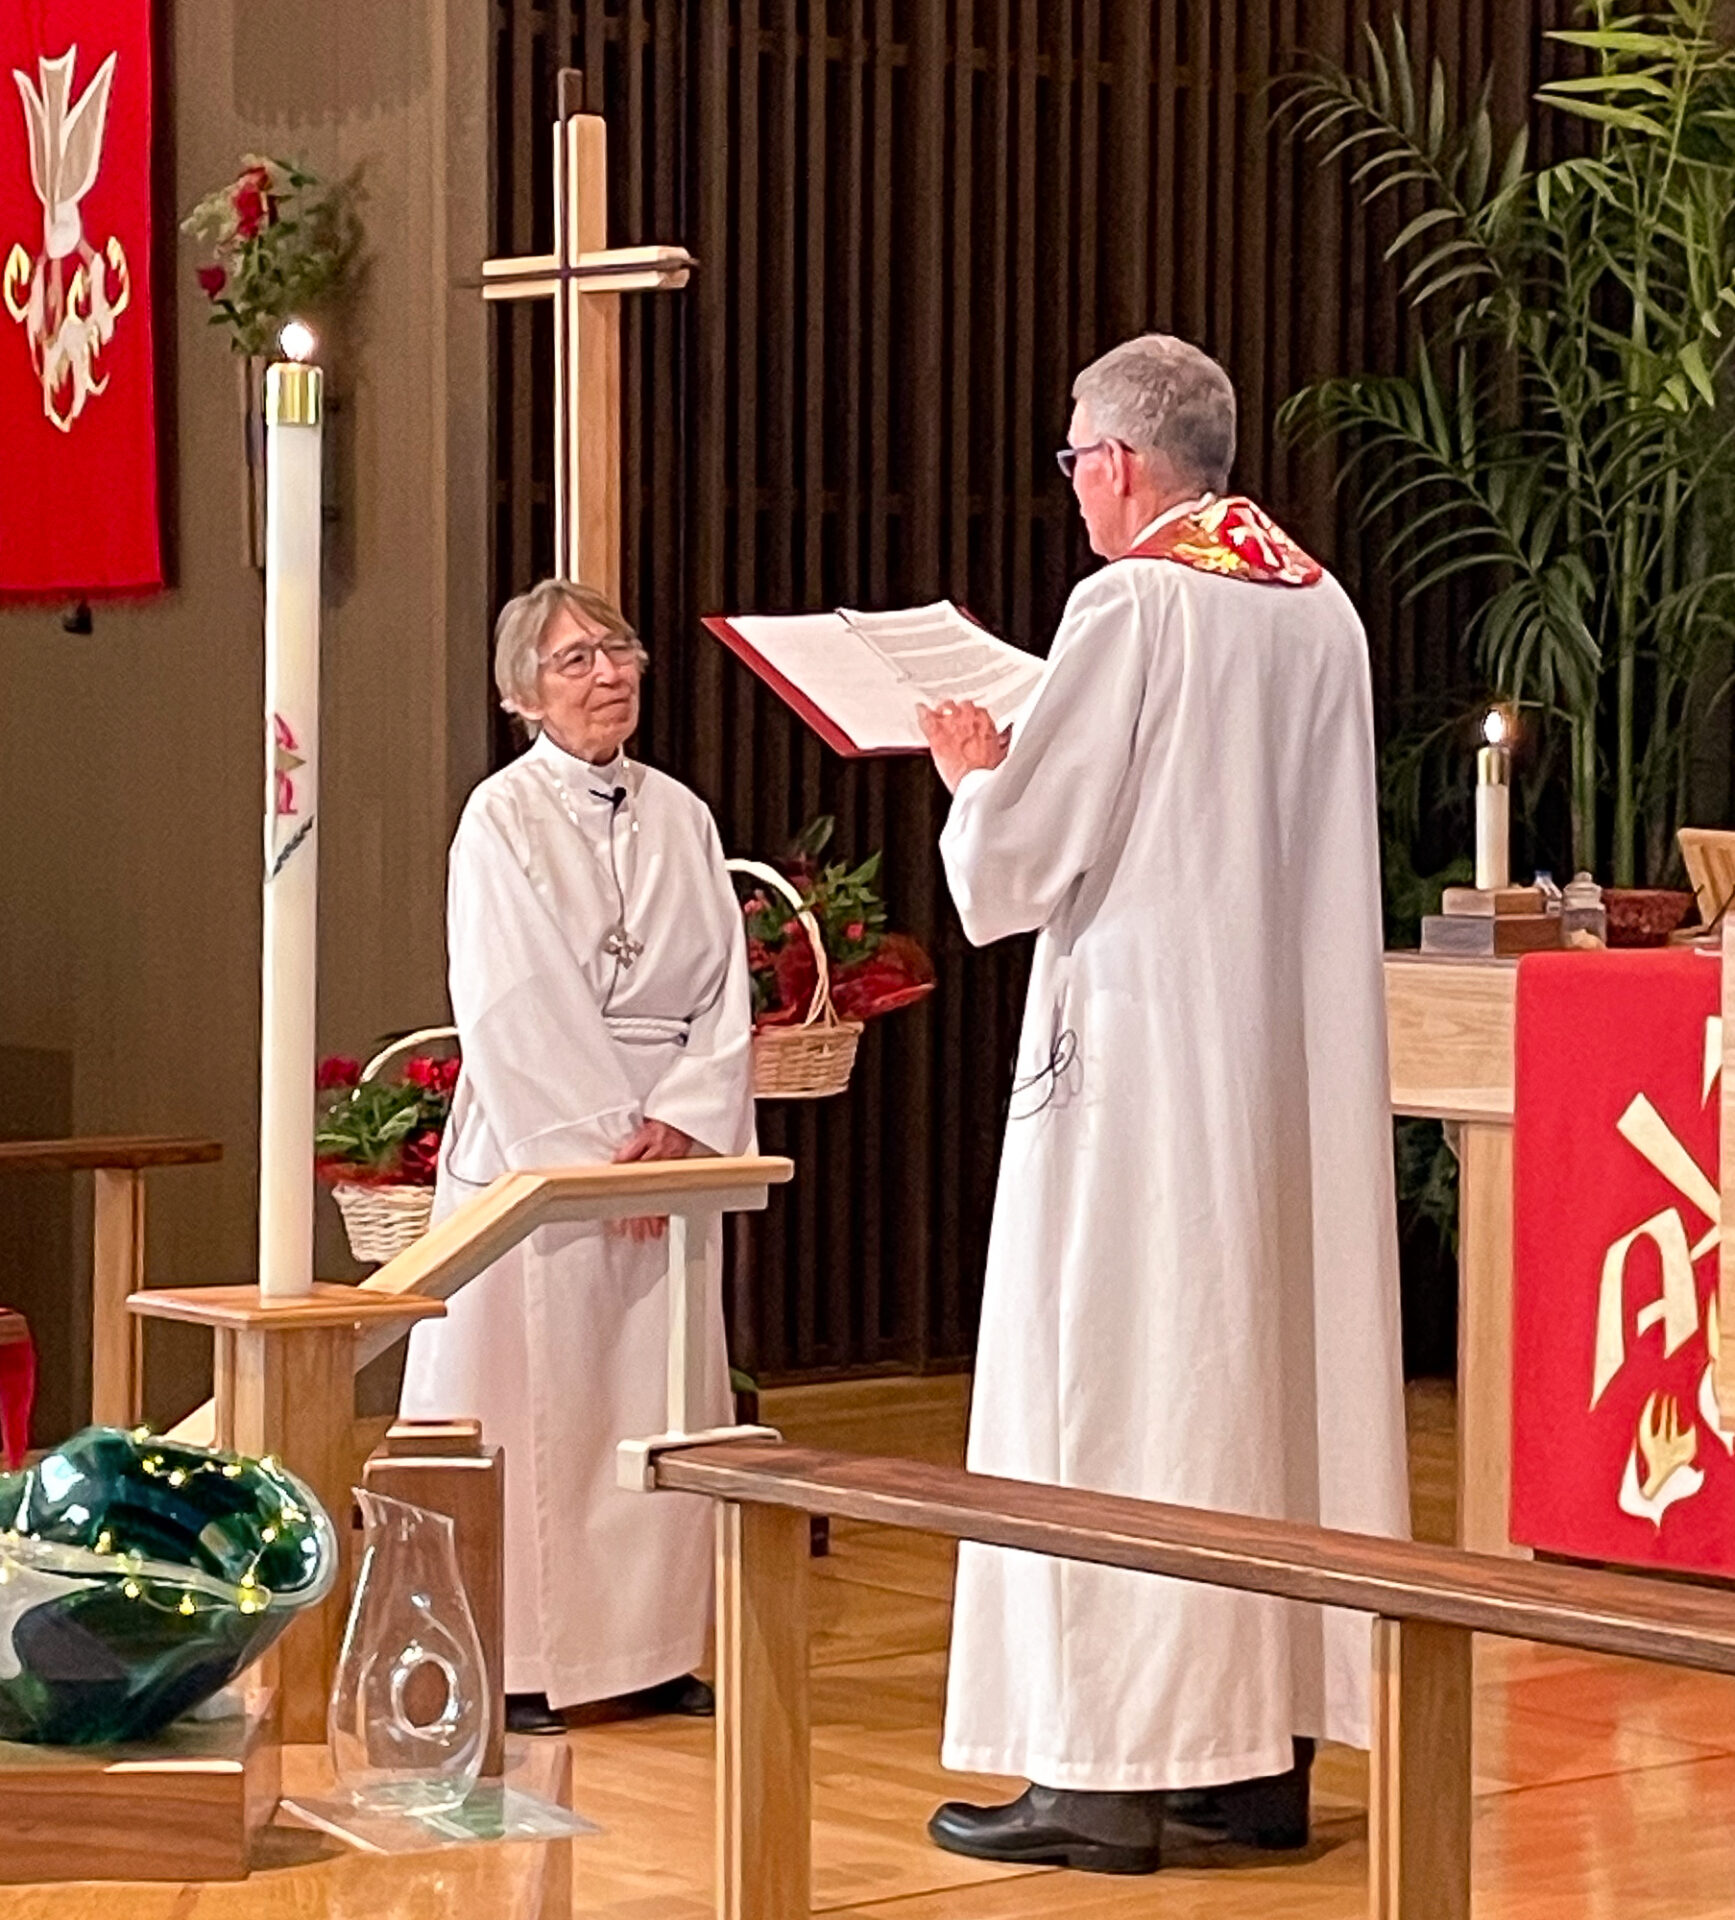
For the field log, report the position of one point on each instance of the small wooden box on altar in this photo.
(1491, 923)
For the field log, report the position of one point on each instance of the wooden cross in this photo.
(585, 278)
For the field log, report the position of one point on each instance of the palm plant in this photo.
(1564, 439)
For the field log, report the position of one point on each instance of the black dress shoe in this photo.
(531, 1713)
(685, 1694)
(1049, 1827)
(1270, 1812)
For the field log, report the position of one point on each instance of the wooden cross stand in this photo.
(585, 278)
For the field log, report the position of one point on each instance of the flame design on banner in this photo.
(62, 296)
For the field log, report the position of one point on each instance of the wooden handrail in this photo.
(474, 1237)
(116, 1153)
(470, 1240)
(1426, 1602)
(1396, 1579)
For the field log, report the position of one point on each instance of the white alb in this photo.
(1192, 1278)
(559, 1347)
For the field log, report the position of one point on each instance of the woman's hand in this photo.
(655, 1140)
(962, 737)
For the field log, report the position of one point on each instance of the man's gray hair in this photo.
(1158, 394)
(525, 619)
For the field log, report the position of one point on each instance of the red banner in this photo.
(78, 502)
(1616, 1450)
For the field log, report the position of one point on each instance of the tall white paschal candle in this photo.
(1494, 805)
(293, 409)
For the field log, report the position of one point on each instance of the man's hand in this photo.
(655, 1140)
(962, 737)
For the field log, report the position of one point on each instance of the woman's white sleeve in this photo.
(708, 1090)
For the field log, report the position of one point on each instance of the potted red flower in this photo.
(376, 1141)
(822, 963)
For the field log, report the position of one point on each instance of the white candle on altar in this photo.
(294, 407)
(1494, 805)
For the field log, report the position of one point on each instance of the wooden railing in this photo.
(471, 1239)
(1427, 1601)
(117, 1248)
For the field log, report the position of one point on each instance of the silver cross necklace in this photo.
(619, 944)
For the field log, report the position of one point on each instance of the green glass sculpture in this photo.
(138, 1576)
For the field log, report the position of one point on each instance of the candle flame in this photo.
(1494, 727)
(298, 340)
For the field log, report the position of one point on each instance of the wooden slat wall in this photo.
(915, 219)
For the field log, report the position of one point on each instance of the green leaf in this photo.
(1692, 360)
(1423, 223)
(1607, 83)
(1643, 46)
(1629, 119)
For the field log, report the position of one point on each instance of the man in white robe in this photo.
(1192, 1283)
(600, 988)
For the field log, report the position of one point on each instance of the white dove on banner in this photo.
(61, 296)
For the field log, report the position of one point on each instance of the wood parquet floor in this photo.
(1606, 1789)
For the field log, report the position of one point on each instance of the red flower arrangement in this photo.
(872, 971)
(382, 1132)
(280, 241)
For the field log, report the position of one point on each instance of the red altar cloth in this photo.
(1616, 1454)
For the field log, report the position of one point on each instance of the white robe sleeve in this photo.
(1018, 838)
(539, 1058)
(708, 1091)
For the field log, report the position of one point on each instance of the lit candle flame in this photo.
(298, 340)
(1494, 728)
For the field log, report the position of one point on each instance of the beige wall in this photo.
(130, 761)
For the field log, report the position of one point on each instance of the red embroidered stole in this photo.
(1235, 538)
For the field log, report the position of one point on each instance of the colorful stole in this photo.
(1235, 538)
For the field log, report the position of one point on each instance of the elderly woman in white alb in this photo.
(599, 984)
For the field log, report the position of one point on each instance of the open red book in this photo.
(857, 678)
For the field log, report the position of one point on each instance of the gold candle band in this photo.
(1493, 766)
(294, 394)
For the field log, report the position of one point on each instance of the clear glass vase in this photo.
(409, 1705)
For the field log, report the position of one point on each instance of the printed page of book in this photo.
(943, 655)
(848, 679)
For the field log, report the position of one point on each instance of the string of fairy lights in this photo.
(161, 1587)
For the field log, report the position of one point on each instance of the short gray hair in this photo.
(1161, 395)
(525, 619)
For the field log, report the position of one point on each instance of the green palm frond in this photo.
(1563, 444)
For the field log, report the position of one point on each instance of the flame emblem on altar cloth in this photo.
(62, 296)
(1660, 1467)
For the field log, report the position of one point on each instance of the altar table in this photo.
(1451, 1033)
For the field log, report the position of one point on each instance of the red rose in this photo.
(213, 280)
(338, 1070)
(422, 1072)
(854, 930)
(251, 199)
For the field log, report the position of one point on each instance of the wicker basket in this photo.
(380, 1219)
(811, 1061)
